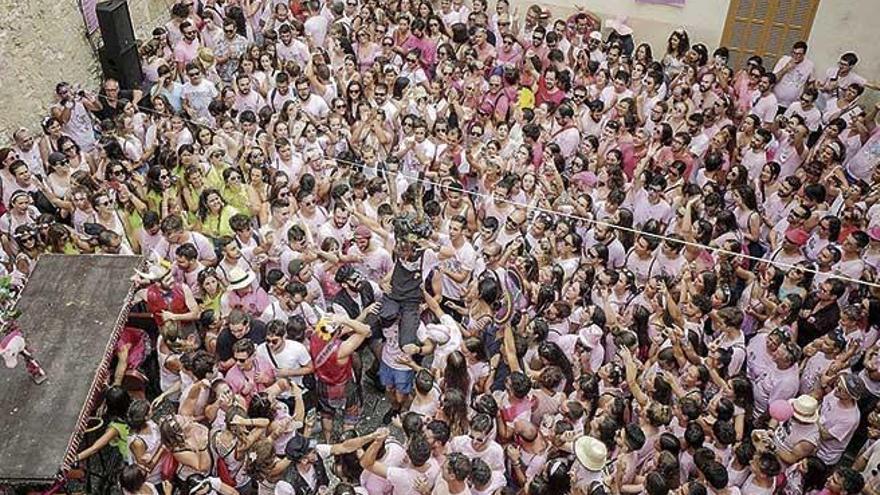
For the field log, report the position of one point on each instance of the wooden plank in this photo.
(70, 307)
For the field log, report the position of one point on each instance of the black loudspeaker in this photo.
(119, 55)
(124, 67)
(115, 23)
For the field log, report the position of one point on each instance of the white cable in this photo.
(661, 237)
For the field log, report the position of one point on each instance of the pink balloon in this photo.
(780, 410)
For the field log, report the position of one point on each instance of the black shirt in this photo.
(110, 112)
(226, 340)
(818, 323)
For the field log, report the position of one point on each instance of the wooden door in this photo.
(767, 28)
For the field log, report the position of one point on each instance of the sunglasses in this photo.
(242, 360)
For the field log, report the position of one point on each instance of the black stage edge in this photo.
(72, 310)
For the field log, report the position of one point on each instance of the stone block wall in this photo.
(44, 42)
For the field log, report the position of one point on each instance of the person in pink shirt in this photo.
(186, 50)
(243, 294)
(509, 51)
(548, 89)
(495, 102)
(839, 414)
(251, 374)
(485, 51)
(417, 39)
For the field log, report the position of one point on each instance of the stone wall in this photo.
(44, 42)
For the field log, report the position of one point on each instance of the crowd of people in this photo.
(568, 262)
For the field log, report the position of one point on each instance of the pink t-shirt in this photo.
(394, 457)
(238, 378)
(840, 422)
(186, 52)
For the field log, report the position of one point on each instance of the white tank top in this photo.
(153, 441)
(80, 127)
(167, 379)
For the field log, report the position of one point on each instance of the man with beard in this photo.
(607, 236)
(335, 339)
(166, 299)
(356, 298)
(373, 260)
(338, 227)
(414, 258)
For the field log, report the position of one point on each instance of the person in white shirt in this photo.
(290, 358)
(793, 72)
(317, 24)
(289, 47)
(807, 109)
(313, 105)
(245, 97)
(28, 151)
(765, 105)
(455, 272)
(197, 94)
(479, 444)
(841, 76)
(422, 470)
(338, 227)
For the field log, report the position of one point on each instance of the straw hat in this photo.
(805, 409)
(155, 271)
(591, 453)
(206, 57)
(239, 278)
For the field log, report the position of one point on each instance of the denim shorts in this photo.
(400, 380)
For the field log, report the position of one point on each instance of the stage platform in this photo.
(71, 311)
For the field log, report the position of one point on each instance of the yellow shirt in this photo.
(217, 226)
(237, 198)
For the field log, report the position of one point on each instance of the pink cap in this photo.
(586, 178)
(874, 233)
(362, 231)
(797, 237)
